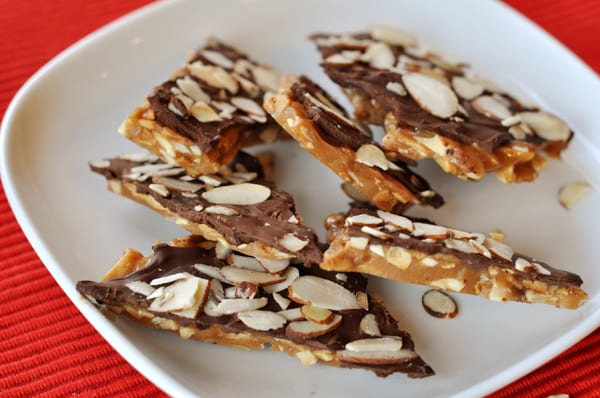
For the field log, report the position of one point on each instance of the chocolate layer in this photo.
(266, 222)
(168, 260)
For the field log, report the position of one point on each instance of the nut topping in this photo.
(238, 194)
(308, 329)
(369, 325)
(376, 357)
(372, 156)
(183, 297)
(570, 194)
(262, 320)
(322, 293)
(235, 305)
(292, 243)
(547, 126)
(492, 108)
(392, 36)
(236, 276)
(431, 95)
(466, 88)
(439, 304)
(387, 343)
(316, 314)
(363, 219)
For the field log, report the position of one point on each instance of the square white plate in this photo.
(68, 112)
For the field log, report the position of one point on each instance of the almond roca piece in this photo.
(420, 252)
(235, 206)
(199, 289)
(206, 111)
(324, 129)
(432, 107)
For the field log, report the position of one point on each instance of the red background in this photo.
(47, 348)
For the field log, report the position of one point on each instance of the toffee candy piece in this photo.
(185, 287)
(206, 111)
(235, 206)
(323, 128)
(418, 251)
(431, 107)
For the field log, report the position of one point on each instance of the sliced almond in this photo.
(273, 266)
(159, 189)
(396, 88)
(439, 304)
(547, 126)
(491, 108)
(392, 36)
(222, 251)
(358, 242)
(247, 262)
(214, 76)
(379, 55)
(466, 88)
(431, 95)
(221, 210)
(448, 284)
(177, 184)
(524, 265)
(238, 194)
(399, 257)
(460, 245)
(266, 78)
(374, 232)
(184, 296)
(204, 113)
(233, 306)
(281, 301)
(396, 220)
(140, 287)
(431, 231)
(368, 325)
(262, 320)
(387, 343)
(291, 274)
(376, 357)
(192, 89)
(570, 194)
(294, 314)
(309, 330)
(316, 314)
(352, 193)
(372, 156)
(211, 271)
(363, 219)
(236, 275)
(322, 293)
(217, 58)
(292, 243)
(248, 105)
(500, 249)
(168, 278)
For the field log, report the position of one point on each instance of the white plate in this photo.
(68, 112)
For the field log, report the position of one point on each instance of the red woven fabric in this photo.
(47, 348)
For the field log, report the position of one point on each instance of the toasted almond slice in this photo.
(294, 314)
(221, 210)
(448, 284)
(392, 36)
(222, 251)
(368, 325)
(292, 243)
(363, 219)
(460, 245)
(358, 242)
(248, 105)
(159, 189)
(273, 266)
(570, 194)
(439, 304)
(266, 78)
(177, 184)
(309, 330)
(290, 275)
(396, 88)
(387, 343)
(431, 95)
(214, 76)
(376, 357)
(217, 58)
(281, 301)
(396, 220)
(466, 88)
(204, 113)
(247, 262)
(500, 249)
(236, 275)
(192, 89)
(238, 194)
(524, 265)
(186, 295)
(547, 126)
(235, 305)
(140, 287)
(322, 293)
(372, 156)
(379, 55)
(316, 314)
(168, 278)
(262, 320)
(374, 232)
(211, 271)
(490, 107)
(430, 231)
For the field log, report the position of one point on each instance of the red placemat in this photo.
(47, 348)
